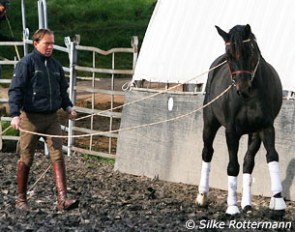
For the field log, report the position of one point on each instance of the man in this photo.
(38, 89)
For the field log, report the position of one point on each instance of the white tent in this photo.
(181, 40)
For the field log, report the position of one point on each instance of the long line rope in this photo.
(119, 130)
(126, 129)
(153, 95)
(139, 126)
(36, 182)
(135, 127)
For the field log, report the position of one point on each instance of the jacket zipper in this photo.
(49, 83)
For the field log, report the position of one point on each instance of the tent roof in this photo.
(181, 41)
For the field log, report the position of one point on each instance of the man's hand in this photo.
(15, 122)
(72, 114)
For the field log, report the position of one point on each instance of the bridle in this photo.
(238, 72)
(252, 73)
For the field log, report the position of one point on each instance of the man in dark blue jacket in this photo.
(38, 89)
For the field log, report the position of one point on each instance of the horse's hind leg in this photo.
(277, 202)
(209, 133)
(254, 143)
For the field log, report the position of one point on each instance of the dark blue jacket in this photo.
(38, 86)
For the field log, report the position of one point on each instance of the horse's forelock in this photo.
(236, 45)
(237, 38)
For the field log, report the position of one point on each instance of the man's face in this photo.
(2, 9)
(45, 45)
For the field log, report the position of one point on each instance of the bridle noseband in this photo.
(252, 73)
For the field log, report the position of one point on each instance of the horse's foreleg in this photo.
(204, 184)
(232, 208)
(209, 133)
(277, 202)
(254, 143)
(247, 193)
(233, 168)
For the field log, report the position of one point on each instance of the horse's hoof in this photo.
(232, 210)
(277, 203)
(201, 199)
(247, 209)
(277, 214)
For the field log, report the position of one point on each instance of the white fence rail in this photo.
(73, 48)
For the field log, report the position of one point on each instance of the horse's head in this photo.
(243, 56)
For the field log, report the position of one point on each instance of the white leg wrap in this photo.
(274, 171)
(204, 182)
(232, 190)
(246, 197)
(232, 208)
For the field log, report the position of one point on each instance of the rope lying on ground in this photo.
(36, 182)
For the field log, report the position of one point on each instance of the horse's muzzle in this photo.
(243, 92)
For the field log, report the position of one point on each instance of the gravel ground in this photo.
(113, 201)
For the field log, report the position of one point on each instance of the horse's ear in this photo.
(247, 31)
(223, 34)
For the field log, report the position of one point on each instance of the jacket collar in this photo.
(40, 55)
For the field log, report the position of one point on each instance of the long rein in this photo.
(140, 126)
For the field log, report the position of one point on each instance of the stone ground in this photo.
(113, 201)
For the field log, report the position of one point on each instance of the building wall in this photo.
(171, 150)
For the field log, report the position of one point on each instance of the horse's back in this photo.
(272, 87)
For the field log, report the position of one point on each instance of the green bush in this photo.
(100, 23)
(10, 131)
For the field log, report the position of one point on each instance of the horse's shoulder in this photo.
(216, 63)
(211, 75)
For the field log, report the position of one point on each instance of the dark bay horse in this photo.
(249, 107)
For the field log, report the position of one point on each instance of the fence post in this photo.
(26, 34)
(24, 14)
(134, 45)
(71, 45)
(42, 14)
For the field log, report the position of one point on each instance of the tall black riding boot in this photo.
(22, 181)
(60, 180)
